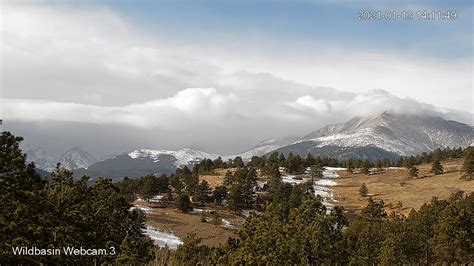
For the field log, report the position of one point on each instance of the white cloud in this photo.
(319, 105)
(192, 103)
(90, 66)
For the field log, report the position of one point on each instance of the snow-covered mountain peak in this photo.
(42, 158)
(76, 158)
(71, 159)
(183, 157)
(402, 134)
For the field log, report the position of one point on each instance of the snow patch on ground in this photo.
(322, 191)
(246, 212)
(291, 179)
(322, 187)
(325, 182)
(200, 211)
(143, 208)
(162, 238)
(227, 224)
(156, 198)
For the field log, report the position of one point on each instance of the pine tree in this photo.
(437, 168)
(316, 172)
(272, 170)
(219, 194)
(134, 251)
(413, 171)
(468, 164)
(350, 166)
(201, 194)
(149, 187)
(23, 205)
(363, 190)
(366, 167)
(282, 159)
(238, 162)
(183, 203)
(379, 164)
(235, 198)
(191, 252)
(310, 160)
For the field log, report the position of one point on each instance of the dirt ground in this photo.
(181, 224)
(395, 185)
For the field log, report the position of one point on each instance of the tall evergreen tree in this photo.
(219, 194)
(363, 190)
(183, 203)
(22, 197)
(316, 172)
(201, 194)
(437, 168)
(350, 166)
(235, 198)
(468, 164)
(149, 187)
(238, 162)
(366, 167)
(414, 171)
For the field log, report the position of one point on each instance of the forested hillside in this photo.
(64, 213)
(288, 224)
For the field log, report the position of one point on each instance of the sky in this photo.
(220, 76)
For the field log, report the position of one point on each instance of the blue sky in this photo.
(332, 22)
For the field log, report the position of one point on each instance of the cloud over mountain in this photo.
(92, 66)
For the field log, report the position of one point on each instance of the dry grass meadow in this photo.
(395, 185)
(181, 224)
(217, 178)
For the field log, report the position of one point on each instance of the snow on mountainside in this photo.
(43, 159)
(397, 133)
(264, 147)
(386, 135)
(183, 157)
(76, 158)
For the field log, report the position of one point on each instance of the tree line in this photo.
(296, 164)
(303, 232)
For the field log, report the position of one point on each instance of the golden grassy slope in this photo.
(395, 185)
(217, 178)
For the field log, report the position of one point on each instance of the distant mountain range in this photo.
(45, 160)
(386, 135)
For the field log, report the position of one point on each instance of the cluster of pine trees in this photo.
(303, 232)
(62, 212)
(429, 157)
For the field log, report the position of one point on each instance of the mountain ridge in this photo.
(386, 135)
(399, 133)
(73, 158)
